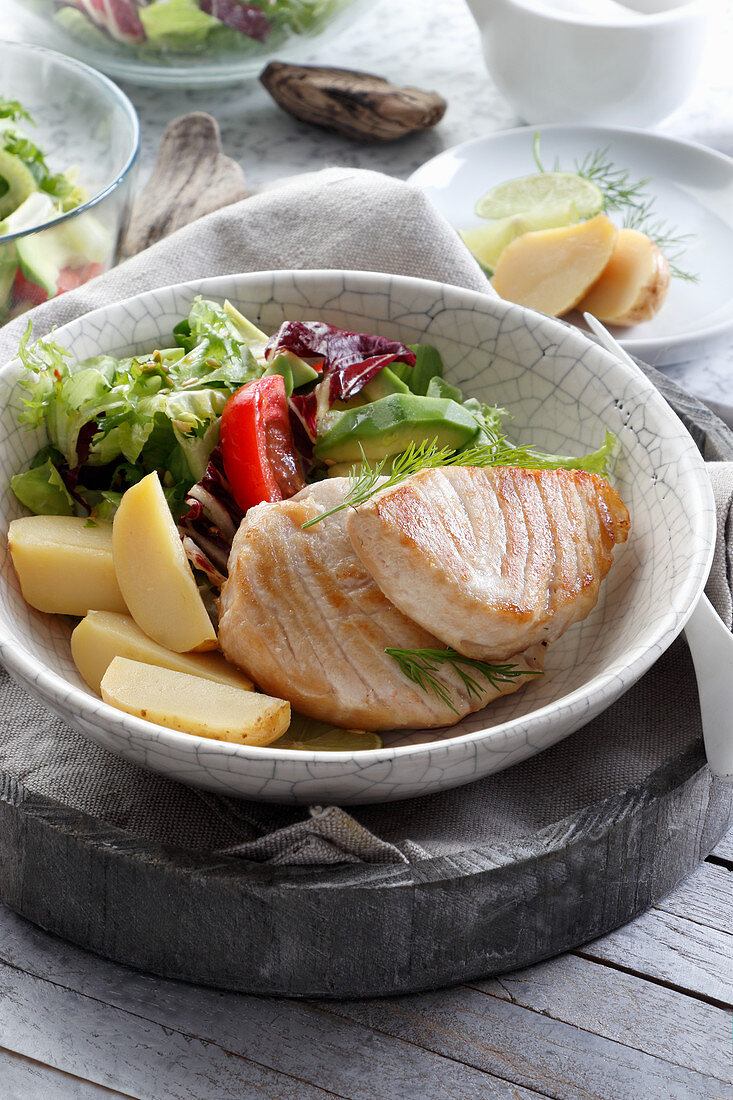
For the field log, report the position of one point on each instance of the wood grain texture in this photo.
(107, 1046)
(706, 898)
(70, 1008)
(191, 177)
(23, 1079)
(690, 957)
(626, 1009)
(530, 1048)
(357, 105)
(723, 850)
(407, 927)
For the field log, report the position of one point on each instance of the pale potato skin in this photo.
(103, 635)
(153, 572)
(194, 705)
(551, 270)
(65, 564)
(633, 285)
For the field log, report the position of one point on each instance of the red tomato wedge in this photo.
(69, 279)
(260, 460)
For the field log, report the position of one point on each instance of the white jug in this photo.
(593, 61)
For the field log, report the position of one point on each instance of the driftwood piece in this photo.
(357, 105)
(191, 178)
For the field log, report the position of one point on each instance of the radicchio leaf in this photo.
(210, 524)
(303, 409)
(118, 18)
(245, 18)
(350, 359)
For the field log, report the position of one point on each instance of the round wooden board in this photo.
(364, 930)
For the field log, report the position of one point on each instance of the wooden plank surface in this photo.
(529, 1048)
(723, 850)
(670, 949)
(23, 1079)
(625, 1009)
(639, 1008)
(116, 1025)
(705, 898)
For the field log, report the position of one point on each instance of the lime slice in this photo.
(552, 189)
(312, 736)
(488, 241)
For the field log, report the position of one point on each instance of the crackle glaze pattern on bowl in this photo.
(563, 392)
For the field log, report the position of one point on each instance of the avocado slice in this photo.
(428, 365)
(16, 183)
(383, 384)
(388, 427)
(293, 369)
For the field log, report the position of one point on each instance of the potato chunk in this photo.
(64, 564)
(191, 704)
(552, 269)
(153, 572)
(633, 285)
(103, 635)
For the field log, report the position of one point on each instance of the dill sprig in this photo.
(420, 666)
(620, 191)
(665, 237)
(365, 484)
(624, 194)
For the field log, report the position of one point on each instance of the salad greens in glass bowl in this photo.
(202, 42)
(68, 145)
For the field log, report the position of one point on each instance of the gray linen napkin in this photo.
(341, 219)
(337, 218)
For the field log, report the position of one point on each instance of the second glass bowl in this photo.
(187, 42)
(81, 121)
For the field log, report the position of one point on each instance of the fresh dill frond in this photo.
(630, 197)
(620, 191)
(426, 456)
(362, 486)
(421, 665)
(665, 237)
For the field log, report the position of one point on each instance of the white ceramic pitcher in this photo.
(593, 61)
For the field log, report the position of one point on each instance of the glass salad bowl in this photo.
(187, 42)
(69, 141)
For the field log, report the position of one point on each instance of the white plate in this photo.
(693, 188)
(563, 392)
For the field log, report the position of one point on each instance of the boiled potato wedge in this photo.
(102, 635)
(191, 704)
(64, 564)
(633, 285)
(153, 572)
(551, 270)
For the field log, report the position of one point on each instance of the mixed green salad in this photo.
(39, 265)
(230, 417)
(154, 29)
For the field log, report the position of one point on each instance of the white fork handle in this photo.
(711, 646)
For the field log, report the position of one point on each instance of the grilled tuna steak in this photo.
(492, 560)
(303, 617)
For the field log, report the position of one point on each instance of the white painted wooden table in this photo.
(641, 1014)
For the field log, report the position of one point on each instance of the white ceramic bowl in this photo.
(596, 62)
(563, 392)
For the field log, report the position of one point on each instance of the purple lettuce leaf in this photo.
(350, 359)
(245, 18)
(118, 18)
(210, 524)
